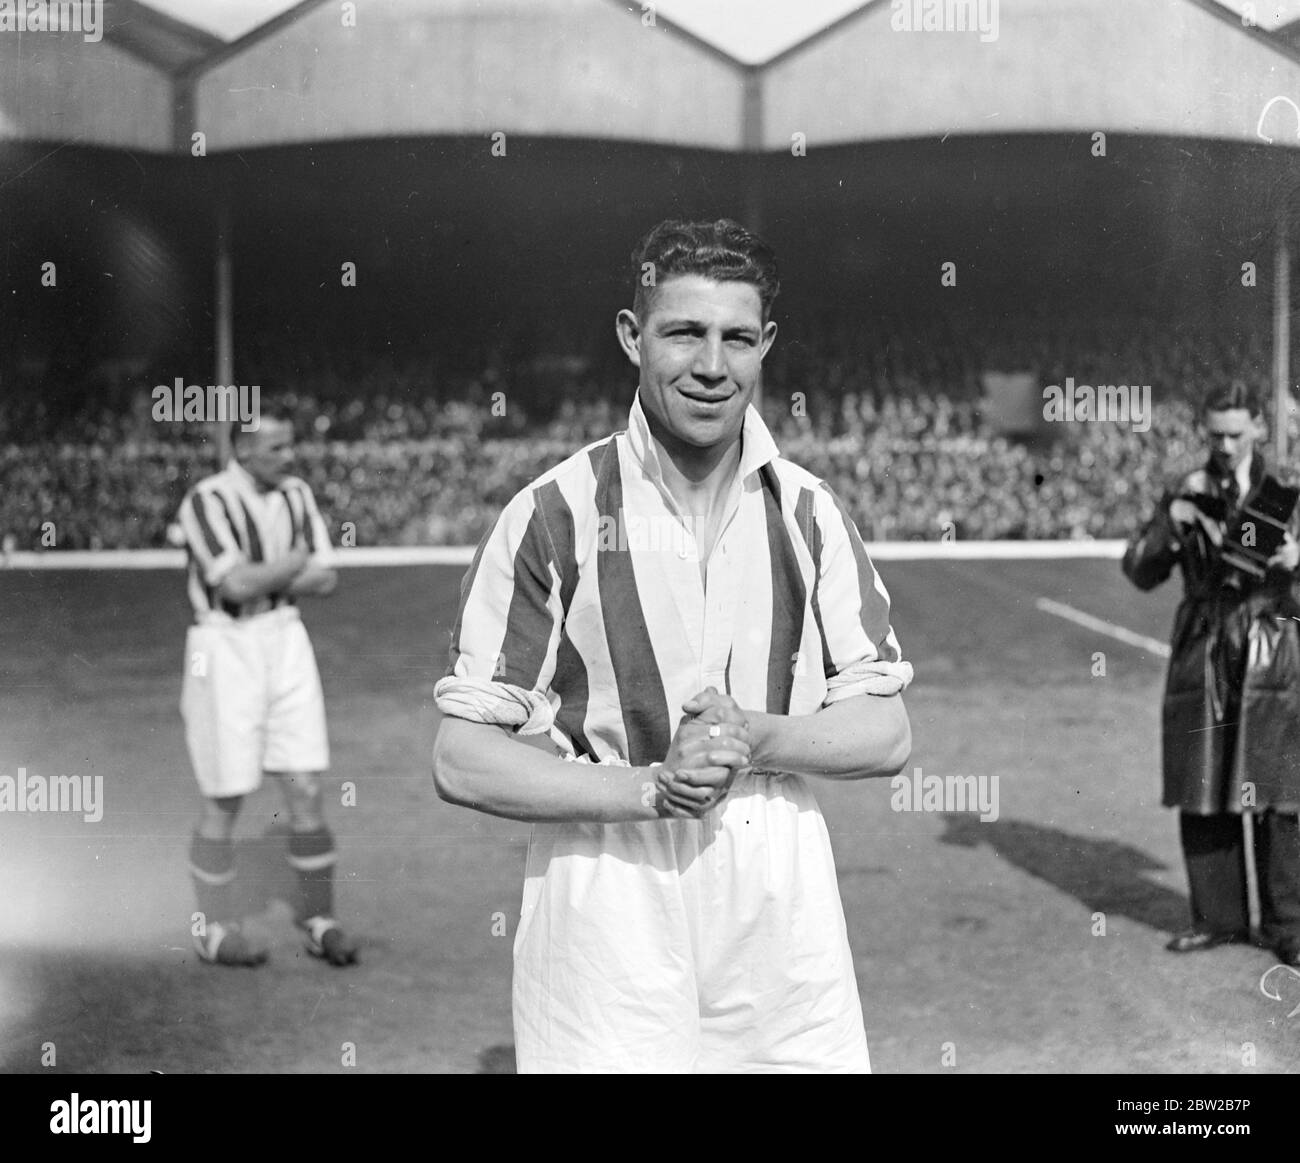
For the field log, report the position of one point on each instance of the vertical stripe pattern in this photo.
(632, 654)
(528, 620)
(806, 516)
(784, 654)
(873, 606)
(588, 589)
(228, 522)
(466, 587)
(570, 681)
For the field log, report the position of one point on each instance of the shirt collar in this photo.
(757, 446)
(1243, 474)
(243, 478)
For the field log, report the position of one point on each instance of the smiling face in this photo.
(1231, 435)
(700, 351)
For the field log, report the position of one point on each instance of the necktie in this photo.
(1231, 493)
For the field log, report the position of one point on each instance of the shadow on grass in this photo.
(72, 1012)
(1105, 875)
(69, 1010)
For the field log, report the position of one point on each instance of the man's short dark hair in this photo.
(723, 250)
(277, 411)
(1228, 397)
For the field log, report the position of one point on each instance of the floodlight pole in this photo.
(1281, 332)
(1281, 409)
(751, 144)
(223, 317)
(754, 222)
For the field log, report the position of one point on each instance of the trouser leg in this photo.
(1216, 872)
(1277, 864)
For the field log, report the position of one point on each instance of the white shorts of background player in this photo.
(252, 701)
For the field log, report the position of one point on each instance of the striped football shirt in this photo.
(584, 611)
(227, 521)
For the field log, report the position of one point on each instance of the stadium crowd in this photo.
(417, 455)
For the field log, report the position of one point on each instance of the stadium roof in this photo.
(1178, 68)
(751, 31)
(597, 69)
(155, 37)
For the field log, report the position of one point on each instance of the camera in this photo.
(1253, 534)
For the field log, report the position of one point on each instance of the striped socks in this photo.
(312, 856)
(212, 869)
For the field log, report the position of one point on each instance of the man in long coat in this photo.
(1231, 719)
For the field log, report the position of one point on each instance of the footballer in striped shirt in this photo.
(251, 699)
(688, 630)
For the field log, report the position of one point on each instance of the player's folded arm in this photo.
(316, 580)
(318, 577)
(323, 554)
(250, 580)
(217, 572)
(211, 541)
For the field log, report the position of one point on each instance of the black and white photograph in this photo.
(694, 537)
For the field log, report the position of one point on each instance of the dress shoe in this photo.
(1193, 941)
(1288, 951)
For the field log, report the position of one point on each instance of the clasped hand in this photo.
(709, 749)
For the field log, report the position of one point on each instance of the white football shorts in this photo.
(252, 701)
(689, 946)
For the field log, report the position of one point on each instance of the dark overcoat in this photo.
(1231, 716)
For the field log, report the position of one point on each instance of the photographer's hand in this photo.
(1185, 514)
(1288, 555)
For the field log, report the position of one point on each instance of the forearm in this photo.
(482, 767)
(861, 737)
(249, 581)
(1150, 557)
(314, 581)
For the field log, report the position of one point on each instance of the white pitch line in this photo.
(1070, 614)
(369, 555)
(377, 555)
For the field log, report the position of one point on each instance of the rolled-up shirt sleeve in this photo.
(315, 533)
(860, 650)
(209, 537)
(504, 641)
